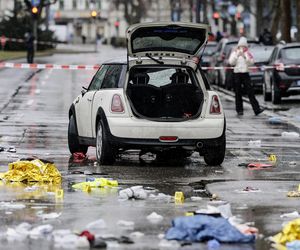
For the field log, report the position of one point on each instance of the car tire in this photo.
(276, 96)
(267, 95)
(104, 151)
(214, 155)
(73, 142)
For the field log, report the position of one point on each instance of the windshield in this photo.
(209, 49)
(261, 54)
(168, 38)
(291, 54)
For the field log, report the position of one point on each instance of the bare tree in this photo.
(287, 20)
(276, 19)
(298, 21)
(134, 10)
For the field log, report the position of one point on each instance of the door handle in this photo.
(89, 99)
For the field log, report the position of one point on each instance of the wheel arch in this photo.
(72, 112)
(101, 116)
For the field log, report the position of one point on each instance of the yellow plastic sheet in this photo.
(97, 183)
(290, 232)
(31, 171)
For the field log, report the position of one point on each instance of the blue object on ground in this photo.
(203, 227)
(275, 120)
(293, 245)
(213, 244)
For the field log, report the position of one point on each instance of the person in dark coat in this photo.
(266, 37)
(29, 38)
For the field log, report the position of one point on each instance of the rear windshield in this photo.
(172, 38)
(291, 54)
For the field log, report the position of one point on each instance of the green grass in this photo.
(10, 55)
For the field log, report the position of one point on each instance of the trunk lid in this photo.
(178, 40)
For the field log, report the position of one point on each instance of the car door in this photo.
(84, 105)
(102, 98)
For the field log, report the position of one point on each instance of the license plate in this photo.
(298, 83)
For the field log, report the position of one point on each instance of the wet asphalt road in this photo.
(33, 118)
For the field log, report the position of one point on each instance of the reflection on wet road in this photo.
(34, 120)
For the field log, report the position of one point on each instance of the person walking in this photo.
(241, 59)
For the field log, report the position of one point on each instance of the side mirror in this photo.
(83, 91)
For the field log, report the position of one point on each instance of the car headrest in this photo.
(140, 79)
(180, 78)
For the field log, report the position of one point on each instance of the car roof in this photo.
(288, 45)
(118, 60)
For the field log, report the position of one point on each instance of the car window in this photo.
(98, 78)
(272, 58)
(112, 77)
(291, 54)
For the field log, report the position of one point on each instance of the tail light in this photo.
(279, 66)
(215, 107)
(116, 104)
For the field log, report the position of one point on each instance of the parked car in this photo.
(282, 79)
(206, 58)
(157, 100)
(261, 55)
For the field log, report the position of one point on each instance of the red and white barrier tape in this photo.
(47, 66)
(261, 68)
(97, 66)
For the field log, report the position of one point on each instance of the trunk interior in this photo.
(164, 93)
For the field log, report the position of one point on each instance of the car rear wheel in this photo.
(267, 95)
(214, 155)
(104, 151)
(73, 142)
(276, 96)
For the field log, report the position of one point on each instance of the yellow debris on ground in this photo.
(293, 194)
(97, 183)
(31, 171)
(289, 233)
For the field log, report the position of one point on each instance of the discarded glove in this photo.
(136, 192)
(202, 227)
(32, 171)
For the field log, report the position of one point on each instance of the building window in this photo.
(74, 4)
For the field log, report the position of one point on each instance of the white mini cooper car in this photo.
(158, 100)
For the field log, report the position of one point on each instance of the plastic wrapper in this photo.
(32, 171)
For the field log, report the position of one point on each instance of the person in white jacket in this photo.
(241, 59)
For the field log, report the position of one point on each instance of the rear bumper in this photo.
(130, 127)
(201, 139)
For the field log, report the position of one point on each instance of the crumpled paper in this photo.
(289, 233)
(31, 171)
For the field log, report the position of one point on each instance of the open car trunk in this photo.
(164, 93)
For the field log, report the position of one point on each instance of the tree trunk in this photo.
(276, 19)
(287, 19)
(259, 16)
(191, 4)
(205, 18)
(298, 20)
